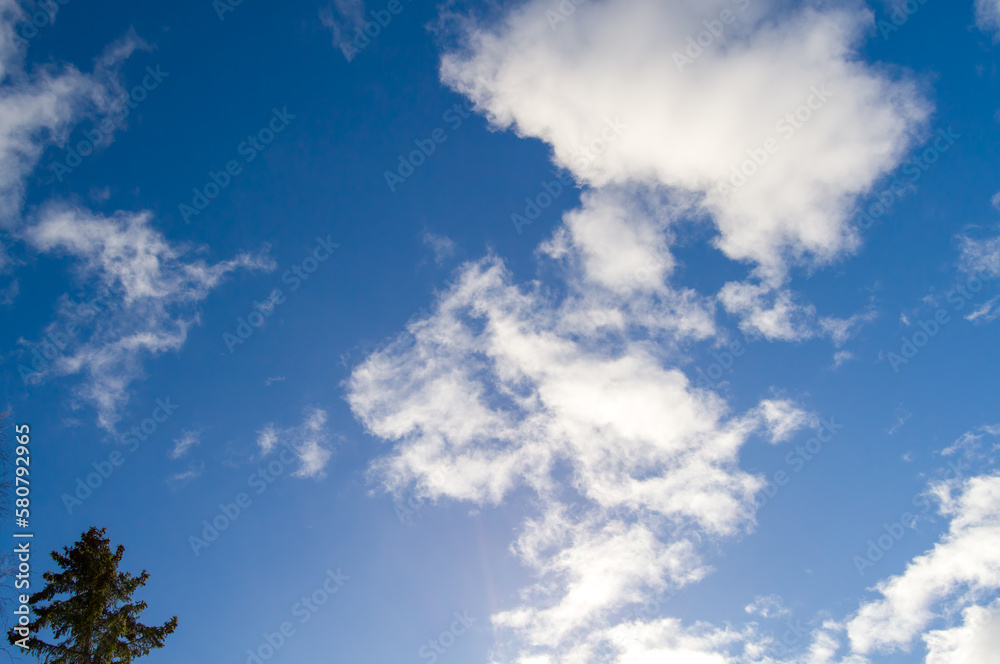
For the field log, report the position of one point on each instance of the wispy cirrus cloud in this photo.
(158, 286)
(192, 473)
(988, 16)
(980, 255)
(441, 246)
(187, 440)
(341, 17)
(39, 107)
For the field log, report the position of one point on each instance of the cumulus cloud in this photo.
(774, 315)
(689, 128)
(309, 442)
(151, 291)
(961, 569)
(572, 389)
(778, 314)
(975, 641)
(499, 389)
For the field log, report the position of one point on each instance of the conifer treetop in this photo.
(88, 608)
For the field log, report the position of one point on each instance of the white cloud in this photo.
(902, 416)
(841, 330)
(980, 255)
(614, 236)
(987, 313)
(573, 392)
(192, 473)
(606, 567)
(40, 107)
(125, 250)
(341, 17)
(667, 640)
(769, 606)
(187, 440)
(946, 598)
(783, 418)
(10, 292)
(687, 130)
(988, 15)
(156, 288)
(501, 388)
(841, 357)
(267, 438)
(617, 265)
(970, 444)
(309, 441)
(775, 315)
(975, 641)
(441, 246)
(963, 567)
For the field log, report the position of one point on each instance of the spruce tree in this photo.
(96, 621)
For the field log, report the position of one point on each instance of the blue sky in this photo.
(561, 325)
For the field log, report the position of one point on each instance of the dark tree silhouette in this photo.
(97, 621)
